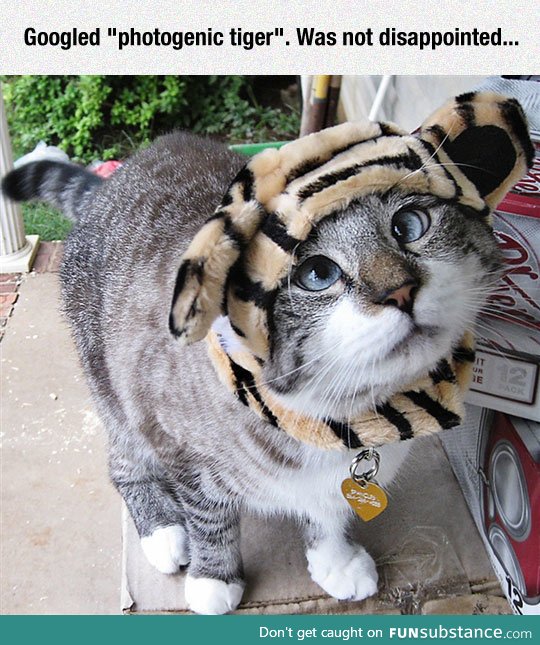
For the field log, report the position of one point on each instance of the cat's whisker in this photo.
(505, 315)
(333, 394)
(374, 368)
(336, 387)
(432, 156)
(289, 274)
(371, 381)
(301, 367)
(492, 346)
(318, 378)
(461, 165)
(488, 321)
(495, 282)
(352, 374)
(328, 391)
(352, 401)
(480, 325)
(489, 309)
(302, 413)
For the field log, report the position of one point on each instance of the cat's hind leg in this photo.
(344, 569)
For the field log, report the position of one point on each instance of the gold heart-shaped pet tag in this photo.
(367, 501)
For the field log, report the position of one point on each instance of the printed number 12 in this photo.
(514, 596)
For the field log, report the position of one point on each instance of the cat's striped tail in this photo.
(62, 185)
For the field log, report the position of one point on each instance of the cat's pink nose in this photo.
(402, 297)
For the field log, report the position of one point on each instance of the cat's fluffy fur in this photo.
(187, 456)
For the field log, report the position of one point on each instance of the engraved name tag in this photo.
(368, 501)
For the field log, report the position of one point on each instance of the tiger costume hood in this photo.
(470, 152)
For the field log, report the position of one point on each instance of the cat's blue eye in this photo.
(409, 226)
(317, 273)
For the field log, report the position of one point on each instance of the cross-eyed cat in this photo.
(338, 275)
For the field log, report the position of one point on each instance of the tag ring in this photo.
(367, 454)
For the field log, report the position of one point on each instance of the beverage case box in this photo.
(496, 459)
(505, 378)
(507, 368)
(516, 224)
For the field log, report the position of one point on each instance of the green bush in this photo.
(108, 117)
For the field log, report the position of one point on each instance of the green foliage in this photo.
(108, 117)
(230, 109)
(45, 221)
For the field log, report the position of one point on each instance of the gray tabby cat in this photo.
(186, 456)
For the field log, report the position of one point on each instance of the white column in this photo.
(17, 251)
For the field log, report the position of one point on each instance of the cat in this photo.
(377, 294)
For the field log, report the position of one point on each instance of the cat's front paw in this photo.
(349, 574)
(167, 548)
(210, 596)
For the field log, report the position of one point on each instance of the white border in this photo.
(519, 21)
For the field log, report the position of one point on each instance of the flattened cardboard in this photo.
(425, 545)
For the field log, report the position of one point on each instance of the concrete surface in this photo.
(60, 543)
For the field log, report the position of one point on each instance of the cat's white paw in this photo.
(167, 548)
(346, 574)
(210, 596)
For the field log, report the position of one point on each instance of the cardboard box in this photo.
(423, 554)
(507, 367)
(506, 381)
(496, 459)
(516, 224)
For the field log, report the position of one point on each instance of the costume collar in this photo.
(426, 406)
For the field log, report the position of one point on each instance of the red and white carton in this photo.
(507, 368)
(496, 456)
(516, 223)
(496, 459)
(509, 468)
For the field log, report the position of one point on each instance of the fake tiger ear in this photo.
(481, 139)
(199, 292)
